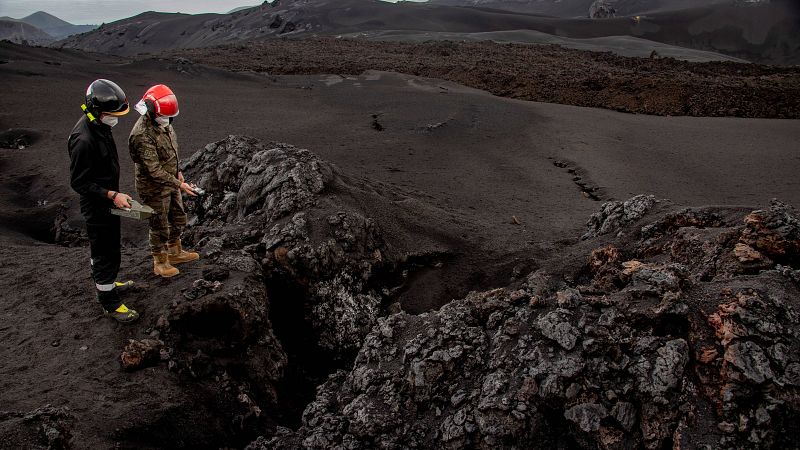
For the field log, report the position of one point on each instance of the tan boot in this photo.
(178, 255)
(162, 267)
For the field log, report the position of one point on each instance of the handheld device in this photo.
(136, 211)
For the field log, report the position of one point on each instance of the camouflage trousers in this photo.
(168, 222)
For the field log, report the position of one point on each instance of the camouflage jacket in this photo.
(154, 150)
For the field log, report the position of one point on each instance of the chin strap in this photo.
(89, 114)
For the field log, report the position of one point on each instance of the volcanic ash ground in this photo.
(660, 327)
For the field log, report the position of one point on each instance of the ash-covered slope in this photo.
(759, 32)
(580, 8)
(763, 32)
(538, 73)
(679, 331)
(152, 32)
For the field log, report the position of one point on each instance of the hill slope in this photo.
(54, 26)
(768, 33)
(20, 32)
(580, 8)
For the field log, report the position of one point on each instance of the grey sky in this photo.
(97, 11)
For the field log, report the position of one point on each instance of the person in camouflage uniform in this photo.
(154, 149)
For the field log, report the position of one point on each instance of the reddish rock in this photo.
(140, 354)
(774, 231)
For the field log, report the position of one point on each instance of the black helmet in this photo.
(104, 96)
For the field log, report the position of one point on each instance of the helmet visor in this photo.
(125, 110)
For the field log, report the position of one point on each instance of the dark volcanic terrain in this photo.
(392, 259)
(580, 8)
(540, 73)
(765, 32)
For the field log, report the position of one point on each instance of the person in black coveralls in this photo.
(94, 174)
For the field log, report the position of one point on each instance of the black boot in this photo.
(123, 314)
(113, 307)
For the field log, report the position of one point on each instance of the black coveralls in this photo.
(94, 170)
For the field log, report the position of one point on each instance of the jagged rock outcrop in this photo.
(615, 215)
(270, 208)
(669, 336)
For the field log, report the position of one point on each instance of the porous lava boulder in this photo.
(666, 337)
(282, 211)
(602, 9)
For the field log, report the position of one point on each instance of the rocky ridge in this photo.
(680, 332)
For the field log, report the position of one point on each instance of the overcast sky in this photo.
(81, 12)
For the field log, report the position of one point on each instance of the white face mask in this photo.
(163, 121)
(109, 120)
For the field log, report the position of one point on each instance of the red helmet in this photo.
(160, 101)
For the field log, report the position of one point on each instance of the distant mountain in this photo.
(22, 33)
(54, 26)
(768, 32)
